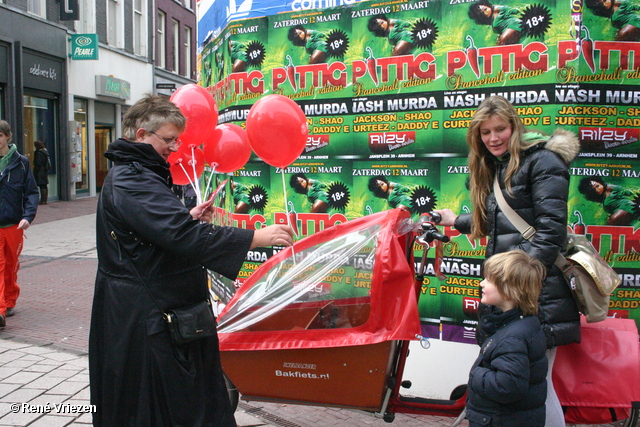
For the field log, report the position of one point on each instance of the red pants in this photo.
(11, 239)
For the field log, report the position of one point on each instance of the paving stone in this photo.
(50, 399)
(83, 394)
(45, 382)
(19, 364)
(18, 419)
(12, 345)
(41, 350)
(37, 367)
(22, 395)
(65, 371)
(31, 357)
(5, 389)
(82, 376)
(63, 357)
(84, 419)
(51, 421)
(68, 388)
(22, 377)
(10, 356)
(6, 372)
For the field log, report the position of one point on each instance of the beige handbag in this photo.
(591, 279)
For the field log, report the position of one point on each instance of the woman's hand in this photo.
(203, 211)
(448, 217)
(277, 234)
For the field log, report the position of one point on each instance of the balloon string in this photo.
(208, 187)
(196, 188)
(206, 193)
(286, 209)
(188, 177)
(286, 204)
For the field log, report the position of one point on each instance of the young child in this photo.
(507, 383)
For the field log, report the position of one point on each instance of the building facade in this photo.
(175, 44)
(70, 69)
(33, 81)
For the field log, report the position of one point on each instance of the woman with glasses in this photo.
(153, 256)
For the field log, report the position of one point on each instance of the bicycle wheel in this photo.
(634, 415)
(234, 395)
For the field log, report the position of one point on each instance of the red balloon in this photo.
(277, 130)
(182, 162)
(228, 148)
(201, 111)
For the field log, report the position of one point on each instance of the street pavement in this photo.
(44, 377)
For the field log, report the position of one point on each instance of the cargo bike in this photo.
(329, 322)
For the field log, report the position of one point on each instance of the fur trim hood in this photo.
(565, 144)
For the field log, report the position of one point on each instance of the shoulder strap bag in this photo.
(591, 279)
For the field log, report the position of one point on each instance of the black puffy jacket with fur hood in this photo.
(540, 188)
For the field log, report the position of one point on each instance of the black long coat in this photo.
(41, 165)
(137, 377)
(540, 190)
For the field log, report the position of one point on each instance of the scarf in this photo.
(4, 161)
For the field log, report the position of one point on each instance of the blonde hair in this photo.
(481, 167)
(518, 277)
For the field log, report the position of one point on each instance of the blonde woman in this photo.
(533, 174)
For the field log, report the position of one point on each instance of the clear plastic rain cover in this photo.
(350, 284)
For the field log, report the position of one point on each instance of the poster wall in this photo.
(389, 89)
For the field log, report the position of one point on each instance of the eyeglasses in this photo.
(171, 142)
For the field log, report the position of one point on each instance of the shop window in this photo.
(41, 123)
(175, 25)
(187, 52)
(80, 119)
(162, 46)
(114, 23)
(87, 22)
(139, 28)
(37, 7)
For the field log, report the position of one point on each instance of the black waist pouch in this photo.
(191, 323)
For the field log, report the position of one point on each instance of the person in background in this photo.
(41, 167)
(507, 385)
(18, 207)
(532, 171)
(153, 256)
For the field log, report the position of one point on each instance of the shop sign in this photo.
(69, 10)
(42, 73)
(111, 86)
(4, 72)
(84, 46)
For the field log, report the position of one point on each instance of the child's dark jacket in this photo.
(507, 383)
